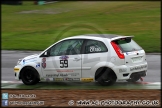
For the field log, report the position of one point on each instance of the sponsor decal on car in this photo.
(72, 79)
(123, 70)
(64, 70)
(44, 62)
(138, 68)
(93, 49)
(47, 79)
(38, 65)
(62, 74)
(16, 69)
(87, 79)
(52, 75)
(73, 74)
(58, 79)
(130, 53)
(64, 57)
(56, 75)
(42, 79)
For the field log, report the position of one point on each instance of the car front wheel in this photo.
(29, 76)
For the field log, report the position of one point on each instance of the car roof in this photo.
(90, 36)
(103, 35)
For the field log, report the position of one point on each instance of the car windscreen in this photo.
(127, 45)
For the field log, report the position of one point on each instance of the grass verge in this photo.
(35, 27)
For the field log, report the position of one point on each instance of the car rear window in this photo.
(127, 45)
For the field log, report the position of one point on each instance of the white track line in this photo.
(11, 81)
(149, 83)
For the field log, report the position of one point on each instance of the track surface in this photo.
(10, 58)
(56, 94)
(80, 85)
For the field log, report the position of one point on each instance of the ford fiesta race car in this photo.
(102, 58)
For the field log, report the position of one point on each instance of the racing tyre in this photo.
(107, 78)
(29, 76)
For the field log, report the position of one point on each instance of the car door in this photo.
(95, 52)
(64, 62)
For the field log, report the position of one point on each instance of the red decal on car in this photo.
(44, 62)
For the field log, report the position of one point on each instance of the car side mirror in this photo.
(46, 54)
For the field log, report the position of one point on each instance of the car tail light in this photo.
(117, 50)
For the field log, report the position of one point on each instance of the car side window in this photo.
(55, 49)
(94, 46)
(67, 47)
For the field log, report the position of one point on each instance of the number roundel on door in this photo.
(64, 61)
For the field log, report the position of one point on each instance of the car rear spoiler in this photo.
(120, 37)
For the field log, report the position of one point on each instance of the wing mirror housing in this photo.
(46, 54)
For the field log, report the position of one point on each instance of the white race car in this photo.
(102, 58)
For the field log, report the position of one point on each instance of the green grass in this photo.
(36, 31)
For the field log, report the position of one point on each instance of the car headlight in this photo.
(19, 61)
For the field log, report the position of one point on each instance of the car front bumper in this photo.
(17, 70)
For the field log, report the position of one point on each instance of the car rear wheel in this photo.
(107, 78)
(29, 76)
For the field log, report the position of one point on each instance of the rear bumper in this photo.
(124, 72)
(141, 74)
